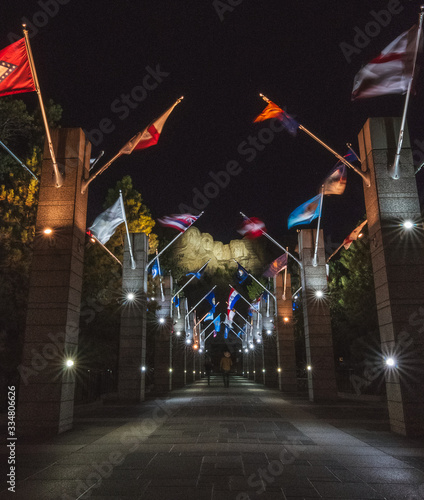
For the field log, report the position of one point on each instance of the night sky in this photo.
(90, 56)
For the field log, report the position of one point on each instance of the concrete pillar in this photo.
(270, 359)
(398, 264)
(132, 334)
(285, 335)
(317, 323)
(178, 355)
(163, 339)
(46, 392)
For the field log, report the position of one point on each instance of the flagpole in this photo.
(334, 253)
(162, 295)
(259, 283)
(86, 182)
(58, 176)
(394, 169)
(314, 259)
(107, 250)
(133, 266)
(192, 278)
(247, 302)
(169, 244)
(18, 160)
(272, 239)
(200, 320)
(285, 283)
(365, 175)
(213, 322)
(242, 317)
(213, 288)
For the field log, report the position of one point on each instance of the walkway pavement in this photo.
(210, 443)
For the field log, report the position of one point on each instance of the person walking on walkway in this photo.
(208, 367)
(225, 366)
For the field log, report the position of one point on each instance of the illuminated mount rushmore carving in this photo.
(194, 248)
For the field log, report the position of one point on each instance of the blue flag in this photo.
(211, 299)
(199, 273)
(177, 301)
(306, 213)
(217, 323)
(156, 271)
(227, 329)
(209, 316)
(265, 296)
(242, 274)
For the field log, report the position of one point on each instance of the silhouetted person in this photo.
(208, 368)
(225, 366)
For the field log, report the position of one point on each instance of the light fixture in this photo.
(269, 332)
(69, 363)
(319, 294)
(178, 333)
(47, 231)
(408, 224)
(188, 341)
(286, 319)
(170, 370)
(130, 296)
(309, 368)
(195, 346)
(162, 320)
(143, 368)
(279, 370)
(390, 362)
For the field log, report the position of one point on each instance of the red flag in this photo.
(15, 73)
(252, 228)
(150, 135)
(391, 71)
(354, 235)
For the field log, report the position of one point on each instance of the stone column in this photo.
(163, 340)
(398, 263)
(132, 335)
(317, 323)
(46, 392)
(285, 335)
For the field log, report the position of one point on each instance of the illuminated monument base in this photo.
(398, 263)
(46, 391)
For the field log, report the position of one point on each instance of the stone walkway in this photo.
(210, 443)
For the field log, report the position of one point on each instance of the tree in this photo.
(353, 304)
(22, 131)
(102, 283)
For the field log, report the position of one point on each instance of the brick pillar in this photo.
(132, 335)
(398, 264)
(163, 339)
(46, 392)
(317, 323)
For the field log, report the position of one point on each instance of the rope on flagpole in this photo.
(18, 160)
(314, 259)
(59, 176)
(133, 266)
(394, 169)
(365, 175)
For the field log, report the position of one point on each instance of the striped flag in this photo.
(15, 73)
(178, 221)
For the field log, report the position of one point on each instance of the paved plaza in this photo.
(214, 443)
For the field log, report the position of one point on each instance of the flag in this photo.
(353, 235)
(391, 71)
(265, 296)
(179, 221)
(149, 136)
(105, 224)
(211, 299)
(217, 323)
(230, 316)
(274, 111)
(252, 228)
(276, 266)
(156, 271)
(242, 274)
(232, 299)
(227, 329)
(177, 301)
(335, 182)
(209, 316)
(306, 213)
(254, 306)
(199, 273)
(15, 73)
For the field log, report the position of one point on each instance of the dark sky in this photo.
(89, 55)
